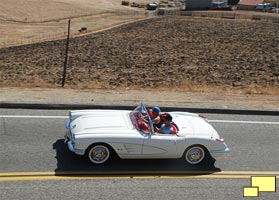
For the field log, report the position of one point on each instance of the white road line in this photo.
(244, 122)
(33, 116)
(66, 117)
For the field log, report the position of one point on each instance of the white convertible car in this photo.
(98, 134)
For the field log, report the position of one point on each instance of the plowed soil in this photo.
(178, 53)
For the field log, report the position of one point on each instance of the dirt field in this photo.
(30, 21)
(178, 53)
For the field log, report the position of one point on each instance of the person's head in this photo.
(155, 111)
(167, 118)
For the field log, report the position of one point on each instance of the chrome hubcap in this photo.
(99, 154)
(195, 155)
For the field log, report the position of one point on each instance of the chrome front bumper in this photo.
(71, 147)
(68, 139)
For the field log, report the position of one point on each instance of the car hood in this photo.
(100, 122)
(191, 124)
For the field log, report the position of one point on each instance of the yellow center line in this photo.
(31, 176)
(138, 172)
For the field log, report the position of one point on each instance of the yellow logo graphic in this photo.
(260, 184)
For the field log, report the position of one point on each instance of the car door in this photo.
(160, 146)
(129, 146)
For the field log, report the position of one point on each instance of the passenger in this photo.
(155, 117)
(166, 128)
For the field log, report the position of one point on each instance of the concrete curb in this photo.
(44, 106)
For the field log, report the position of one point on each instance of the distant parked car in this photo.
(265, 7)
(152, 6)
(272, 10)
(98, 134)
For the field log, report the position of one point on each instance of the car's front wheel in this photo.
(195, 154)
(98, 154)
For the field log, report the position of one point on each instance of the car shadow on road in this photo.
(70, 164)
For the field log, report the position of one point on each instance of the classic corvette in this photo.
(98, 134)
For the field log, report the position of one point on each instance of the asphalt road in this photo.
(35, 163)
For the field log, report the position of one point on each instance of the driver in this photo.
(155, 116)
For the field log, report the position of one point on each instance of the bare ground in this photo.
(187, 54)
(31, 21)
(178, 54)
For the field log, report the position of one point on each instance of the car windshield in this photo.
(141, 119)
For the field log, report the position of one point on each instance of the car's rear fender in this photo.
(209, 144)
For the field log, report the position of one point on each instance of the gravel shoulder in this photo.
(134, 97)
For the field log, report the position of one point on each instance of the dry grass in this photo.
(186, 86)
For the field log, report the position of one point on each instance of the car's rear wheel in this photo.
(195, 154)
(99, 154)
